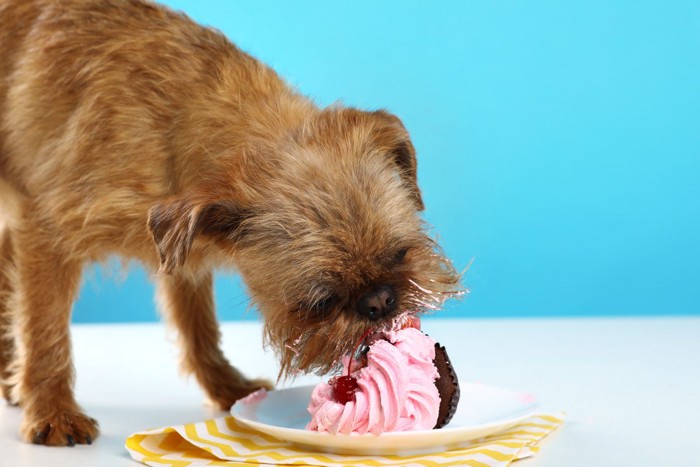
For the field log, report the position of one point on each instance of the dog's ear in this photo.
(174, 224)
(399, 147)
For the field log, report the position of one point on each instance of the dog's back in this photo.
(82, 137)
(107, 106)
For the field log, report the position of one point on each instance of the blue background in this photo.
(559, 142)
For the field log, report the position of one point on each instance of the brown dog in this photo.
(123, 124)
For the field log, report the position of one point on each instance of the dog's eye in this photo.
(326, 302)
(400, 255)
(324, 305)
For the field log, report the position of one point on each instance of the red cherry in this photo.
(344, 388)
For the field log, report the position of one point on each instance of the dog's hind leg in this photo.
(47, 281)
(7, 341)
(188, 304)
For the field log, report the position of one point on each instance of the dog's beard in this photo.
(306, 343)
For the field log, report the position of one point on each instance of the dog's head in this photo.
(326, 233)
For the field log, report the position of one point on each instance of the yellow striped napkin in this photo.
(224, 441)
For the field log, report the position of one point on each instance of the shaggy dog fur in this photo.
(126, 129)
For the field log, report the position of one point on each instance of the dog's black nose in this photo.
(377, 303)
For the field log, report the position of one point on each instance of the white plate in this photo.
(482, 410)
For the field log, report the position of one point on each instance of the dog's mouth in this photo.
(319, 345)
(407, 319)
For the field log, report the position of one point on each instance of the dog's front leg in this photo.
(7, 341)
(47, 282)
(188, 303)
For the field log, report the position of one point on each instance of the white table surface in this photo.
(630, 387)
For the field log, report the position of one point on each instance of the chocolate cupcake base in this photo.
(447, 385)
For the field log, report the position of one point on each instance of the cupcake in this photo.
(403, 382)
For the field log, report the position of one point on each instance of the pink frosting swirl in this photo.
(396, 390)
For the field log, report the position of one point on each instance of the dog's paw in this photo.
(63, 429)
(226, 395)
